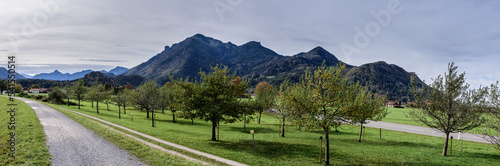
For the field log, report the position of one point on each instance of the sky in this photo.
(419, 36)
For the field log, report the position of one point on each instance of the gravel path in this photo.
(72, 144)
(424, 131)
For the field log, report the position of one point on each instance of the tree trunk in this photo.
(360, 132)
(192, 121)
(327, 147)
(107, 106)
(260, 113)
(119, 113)
(68, 102)
(173, 115)
(214, 124)
(163, 110)
(244, 122)
(153, 118)
(124, 109)
(97, 106)
(445, 148)
(147, 113)
(78, 103)
(283, 127)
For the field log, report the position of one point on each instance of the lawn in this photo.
(30, 141)
(400, 116)
(300, 147)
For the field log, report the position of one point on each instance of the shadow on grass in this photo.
(271, 150)
(182, 122)
(256, 129)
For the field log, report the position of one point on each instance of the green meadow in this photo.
(298, 147)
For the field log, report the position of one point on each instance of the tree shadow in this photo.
(271, 150)
(255, 129)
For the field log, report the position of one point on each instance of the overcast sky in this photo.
(422, 37)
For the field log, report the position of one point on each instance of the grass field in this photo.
(400, 115)
(300, 148)
(30, 147)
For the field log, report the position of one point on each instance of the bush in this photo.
(24, 94)
(56, 96)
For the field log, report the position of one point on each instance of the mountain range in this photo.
(56, 75)
(258, 63)
(251, 61)
(4, 74)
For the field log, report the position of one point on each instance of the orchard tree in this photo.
(247, 108)
(56, 95)
(120, 99)
(366, 106)
(321, 99)
(97, 94)
(188, 95)
(264, 96)
(282, 105)
(147, 96)
(79, 90)
(448, 105)
(494, 114)
(218, 98)
(3, 86)
(171, 98)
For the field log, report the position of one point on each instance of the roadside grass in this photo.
(30, 140)
(298, 147)
(143, 152)
(401, 116)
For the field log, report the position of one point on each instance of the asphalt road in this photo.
(424, 131)
(70, 143)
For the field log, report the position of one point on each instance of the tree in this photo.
(321, 99)
(188, 95)
(35, 86)
(98, 94)
(282, 105)
(171, 95)
(67, 93)
(18, 88)
(120, 99)
(217, 99)
(147, 96)
(78, 91)
(366, 106)
(449, 106)
(56, 95)
(3, 86)
(264, 95)
(247, 108)
(494, 114)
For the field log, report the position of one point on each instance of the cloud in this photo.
(424, 37)
(102, 60)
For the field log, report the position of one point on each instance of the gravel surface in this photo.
(70, 143)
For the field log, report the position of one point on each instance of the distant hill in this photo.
(4, 74)
(258, 63)
(385, 79)
(56, 75)
(250, 60)
(118, 70)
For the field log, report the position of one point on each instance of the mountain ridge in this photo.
(258, 63)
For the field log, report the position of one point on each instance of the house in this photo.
(34, 91)
(394, 104)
